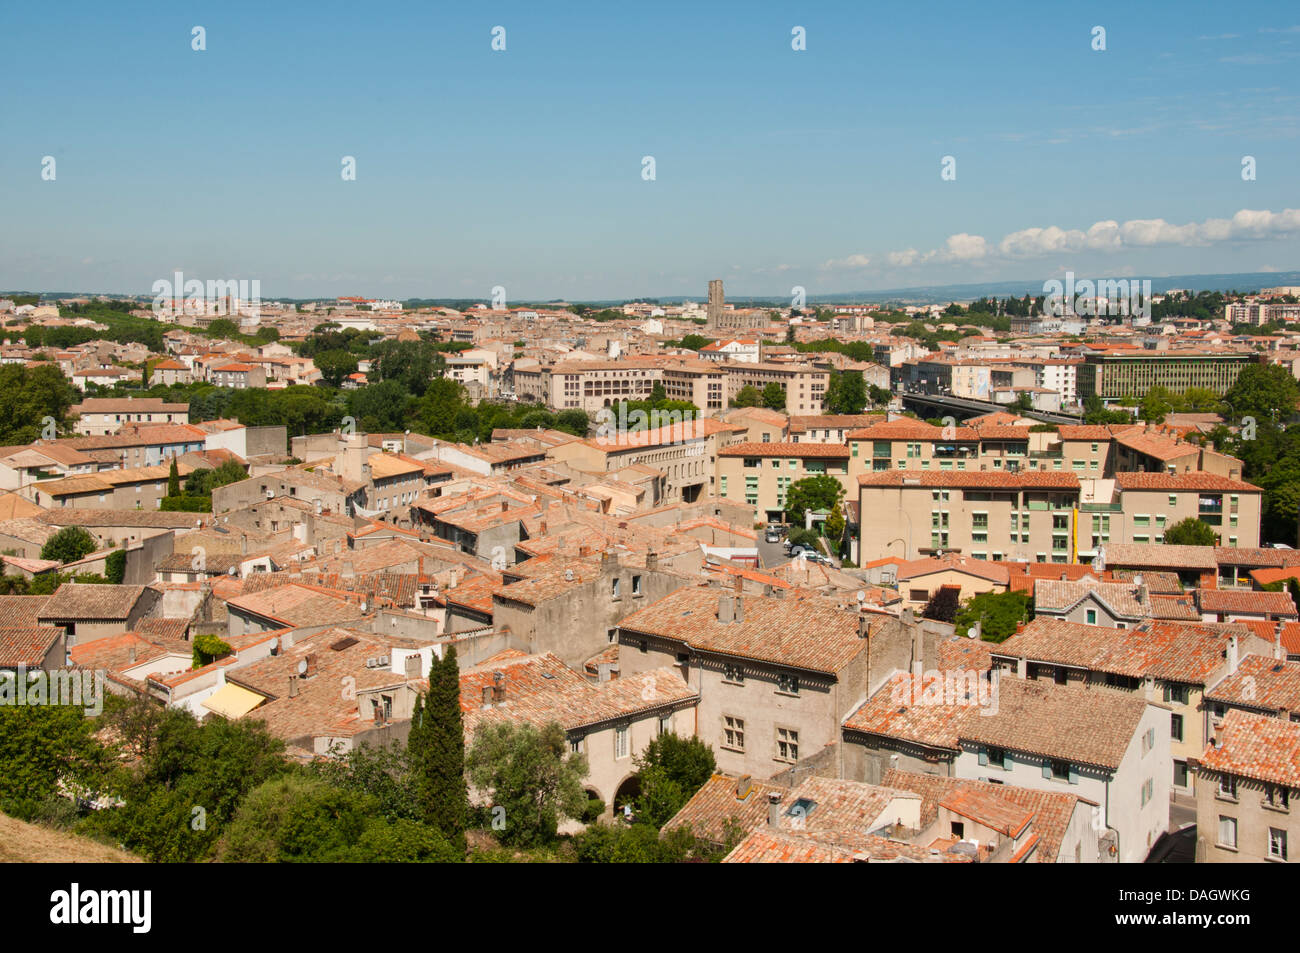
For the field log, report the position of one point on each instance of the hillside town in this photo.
(982, 581)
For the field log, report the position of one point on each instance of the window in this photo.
(614, 587)
(636, 586)
(1276, 844)
(997, 757)
(787, 744)
(1177, 693)
(620, 742)
(1227, 831)
(1148, 741)
(733, 733)
(1277, 798)
(789, 684)
(666, 724)
(1148, 791)
(1228, 789)
(734, 674)
(1090, 616)
(1060, 770)
(1176, 727)
(575, 745)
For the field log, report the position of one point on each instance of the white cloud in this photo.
(852, 261)
(1108, 235)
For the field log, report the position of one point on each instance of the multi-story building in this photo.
(1111, 375)
(1027, 515)
(106, 415)
(760, 474)
(803, 384)
(1247, 782)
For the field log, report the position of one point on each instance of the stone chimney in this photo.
(603, 670)
(726, 608)
(740, 607)
(412, 666)
(651, 559)
(499, 686)
(1278, 654)
(487, 696)
(293, 686)
(1232, 654)
(773, 810)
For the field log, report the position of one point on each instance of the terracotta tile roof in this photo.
(1056, 721)
(1052, 811)
(716, 808)
(1174, 482)
(18, 612)
(297, 604)
(1124, 599)
(1160, 555)
(27, 645)
(1173, 651)
(965, 654)
(1260, 747)
(1248, 602)
(978, 479)
(982, 568)
(1260, 683)
(828, 450)
(814, 634)
(76, 601)
(540, 689)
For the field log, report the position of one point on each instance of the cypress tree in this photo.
(447, 804)
(174, 480)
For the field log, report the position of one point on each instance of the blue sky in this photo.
(523, 168)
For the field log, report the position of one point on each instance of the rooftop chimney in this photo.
(487, 696)
(726, 608)
(499, 686)
(293, 686)
(740, 606)
(1232, 654)
(651, 559)
(773, 809)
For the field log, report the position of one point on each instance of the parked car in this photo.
(773, 535)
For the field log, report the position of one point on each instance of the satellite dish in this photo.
(302, 666)
(862, 595)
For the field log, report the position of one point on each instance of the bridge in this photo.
(963, 408)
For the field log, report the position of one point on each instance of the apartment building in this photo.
(697, 382)
(141, 488)
(1145, 504)
(1027, 515)
(760, 474)
(1111, 375)
(238, 375)
(803, 384)
(106, 415)
(1248, 781)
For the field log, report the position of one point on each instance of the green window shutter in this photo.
(984, 756)
(1074, 774)
(1047, 769)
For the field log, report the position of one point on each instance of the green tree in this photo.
(773, 396)
(834, 526)
(1191, 532)
(671, 770)
(68, 545)
(335, 365)
(1156, 404)
(820, 492)
(437, 748)
(998, 614)
(32, 395)
(846, 393)
(173, 480)
(747, 396)
(1266, 392)
(115, 566)
(223, 328)
(295, 818)
(39, 744)
(531, 774)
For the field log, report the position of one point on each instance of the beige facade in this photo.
(804, 385)
(760, 474)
